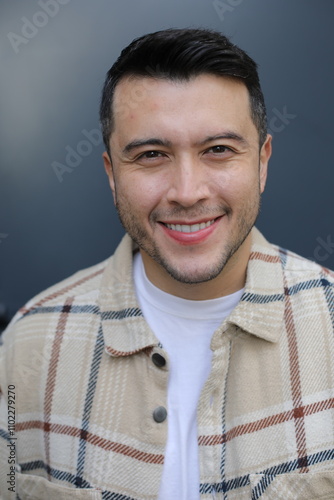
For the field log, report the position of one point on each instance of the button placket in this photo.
(158, 360)
(160, 414)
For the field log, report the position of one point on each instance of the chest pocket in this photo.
(294, 486)
(37, 488)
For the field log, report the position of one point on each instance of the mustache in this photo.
(192, 213)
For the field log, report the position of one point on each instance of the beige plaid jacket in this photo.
(77, 375)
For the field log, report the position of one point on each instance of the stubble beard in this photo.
(243, 225)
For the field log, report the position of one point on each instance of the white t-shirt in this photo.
(184, 328)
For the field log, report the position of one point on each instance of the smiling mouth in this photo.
(189, 228)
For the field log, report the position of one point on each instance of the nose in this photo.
(189, 183)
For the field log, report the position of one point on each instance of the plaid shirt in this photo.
(79, 359)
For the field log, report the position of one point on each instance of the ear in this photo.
(265, 154)
(110, 173)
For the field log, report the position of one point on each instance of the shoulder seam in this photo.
(25, 310)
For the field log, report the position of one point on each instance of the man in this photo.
(197, 361)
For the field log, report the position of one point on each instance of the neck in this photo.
(231, 279)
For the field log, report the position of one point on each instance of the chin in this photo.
(191, 275)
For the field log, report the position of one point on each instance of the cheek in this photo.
(140, 192)
(237, 187)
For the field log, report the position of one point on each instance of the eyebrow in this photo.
(226, 135)
(154, 141)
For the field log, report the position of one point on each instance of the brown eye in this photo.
(150, 154)
(219, 149)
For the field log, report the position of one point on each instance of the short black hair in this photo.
(181, 54)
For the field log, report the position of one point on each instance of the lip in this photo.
(188, 223)
(191, 238)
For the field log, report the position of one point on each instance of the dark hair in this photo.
(181, 54)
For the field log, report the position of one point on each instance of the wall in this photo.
(55, 54)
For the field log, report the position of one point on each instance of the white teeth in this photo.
(189, 228)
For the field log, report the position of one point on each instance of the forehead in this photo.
(147, 105)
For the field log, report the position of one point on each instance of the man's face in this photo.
(187, 172)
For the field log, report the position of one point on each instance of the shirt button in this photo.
(158, 360)
(160, 414)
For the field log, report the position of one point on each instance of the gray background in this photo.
(50, 84)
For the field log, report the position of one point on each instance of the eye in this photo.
(219, 150)
(150, 155)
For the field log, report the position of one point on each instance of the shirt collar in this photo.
(259, 312)
(261, 308)
(125, 330)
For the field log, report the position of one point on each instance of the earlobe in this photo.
(265, 155)
(109, 171)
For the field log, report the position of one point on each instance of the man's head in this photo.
(187, 157)
(179, 55)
